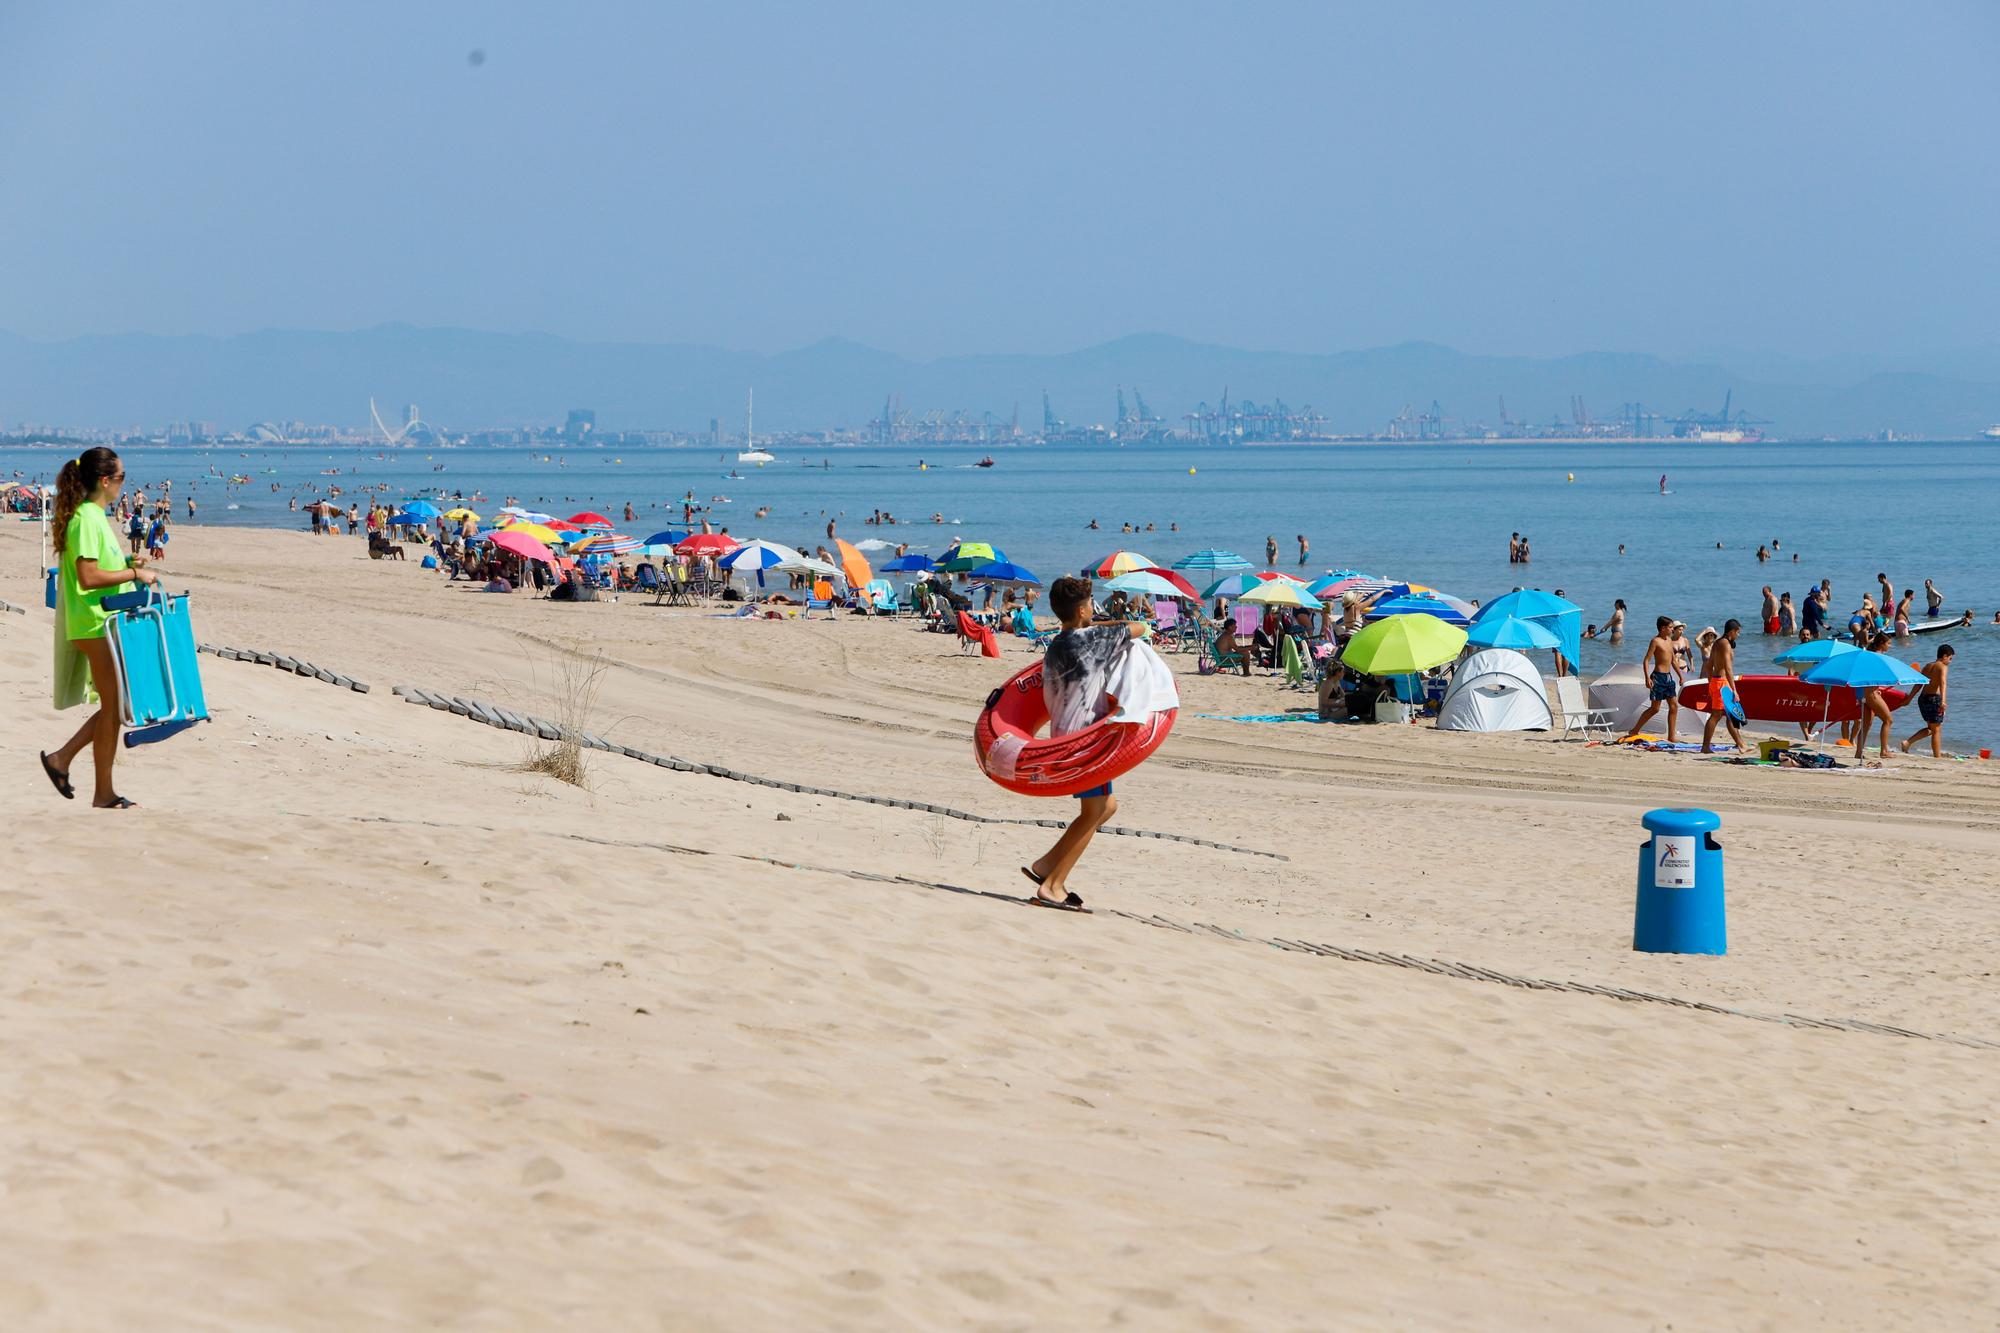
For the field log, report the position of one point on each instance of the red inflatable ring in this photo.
(1005, 739)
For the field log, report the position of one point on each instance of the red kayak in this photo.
(1789, 699)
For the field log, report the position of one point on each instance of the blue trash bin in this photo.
(1680, 906)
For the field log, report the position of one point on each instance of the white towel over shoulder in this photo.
(1141, 684)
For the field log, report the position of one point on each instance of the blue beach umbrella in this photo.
(1862, 671)
(1813, 650)
(999, 571)
(1548, 610)
(422, 507)
(1143, 583)
(906, 563)
(1512, 632)
(1417, 604)
(410, 518)
(671, 537)
(759, 556)
(1213, 561)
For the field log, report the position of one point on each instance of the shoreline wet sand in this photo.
(360, 1022)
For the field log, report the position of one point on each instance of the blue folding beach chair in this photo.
(159, 672)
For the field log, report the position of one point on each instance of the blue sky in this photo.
(1804, 179)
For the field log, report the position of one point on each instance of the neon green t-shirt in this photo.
(89, 537)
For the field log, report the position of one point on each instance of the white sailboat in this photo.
(751, 453)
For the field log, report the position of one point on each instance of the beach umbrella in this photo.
(1143, 583)
(1213, 563)
(1863, 671)
(1118, 562)
(968, 555)
(1552, 612)
(1281, 592)
(1814, 650)
(1424, 604)
(535, 532)
(1512, 632)
(1347, 574)
(406, 519)
(1179, 580)
(805, 564)
(608, 543)
(510, 539)
(1273, 574)
(560, 525)
(422, 507)
(1333, 585)
(759, 556)
(1002, 571)
(1403, 646)
(853, 564)
(587, 519)
(527, 515)
(1528, 604)
(904, 563)
(460, 514)
(706, 543)
(670, 537)
(1231, 585)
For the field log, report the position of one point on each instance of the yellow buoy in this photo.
(1572, 476)
(1190, 472)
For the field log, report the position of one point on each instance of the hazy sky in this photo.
(1812, 179)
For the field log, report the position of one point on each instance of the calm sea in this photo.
(1436, 514)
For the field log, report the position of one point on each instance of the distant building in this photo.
(579, 425)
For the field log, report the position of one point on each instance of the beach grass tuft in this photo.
(576, 680)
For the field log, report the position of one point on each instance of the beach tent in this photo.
(1623, 690)
(1496, 689)
(1564, 617)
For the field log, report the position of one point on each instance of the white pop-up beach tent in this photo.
(1622, 689)
(1496, 689)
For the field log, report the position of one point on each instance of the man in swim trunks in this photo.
(1075, 674)
(1930, 702)
(1663, 678)
(1770, 610)
(1933, 600)
(1721, 672)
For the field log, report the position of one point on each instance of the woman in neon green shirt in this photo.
(92, 565)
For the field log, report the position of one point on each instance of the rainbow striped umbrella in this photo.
(606, 543)
(1118, 562)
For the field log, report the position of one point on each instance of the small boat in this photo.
(985, 462)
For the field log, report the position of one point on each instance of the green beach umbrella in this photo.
(970, 555)
(1403, 645)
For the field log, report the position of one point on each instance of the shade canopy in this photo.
(423, 507)
(1143, 583)
(905, 563)
(1555, 613)
(1512, 632)
(759, 555)
(969, 555)
(1403, 645)
(1118, 562)
(1281, 592)
(1863, 670)
(706, 543)
(670, 537)
(1003, 571)
(1814, 650)
(590, 519)
(853, 564)
(1214, 562)
(519, 543)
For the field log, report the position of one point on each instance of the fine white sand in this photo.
(356, 1024)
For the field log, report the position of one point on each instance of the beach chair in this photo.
(1211, 659)
(1575, 712)
(1024, 626)
(1169, 628)
(647, 579)
(159, 674)
(880, 597)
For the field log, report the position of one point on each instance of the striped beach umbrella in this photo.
(1118, 562)
(606, 543)
(1213, 563)
(759, 555)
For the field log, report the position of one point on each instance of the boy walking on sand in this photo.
(1930, 702)
(1721, 672)
(1663, 680)
(1075, 675)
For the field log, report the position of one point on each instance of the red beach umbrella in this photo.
(1178, 580)
(589, 520)
(707, 543)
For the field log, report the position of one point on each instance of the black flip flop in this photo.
(1033, 878)
(1070, 904)
(61, 781)
(118, 803)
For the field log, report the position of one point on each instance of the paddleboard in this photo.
(1788, 699)
(1933, 626)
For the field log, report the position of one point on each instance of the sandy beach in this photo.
(357, 1023)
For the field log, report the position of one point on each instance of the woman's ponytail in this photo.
(78, 478)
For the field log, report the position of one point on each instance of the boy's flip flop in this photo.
(118, 803)
(60, 781)
(1070, 904)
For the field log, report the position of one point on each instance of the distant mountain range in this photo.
(464, 379)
